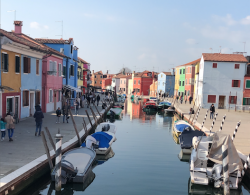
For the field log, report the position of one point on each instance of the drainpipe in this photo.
(67, 72)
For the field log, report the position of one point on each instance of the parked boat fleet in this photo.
(204, 154)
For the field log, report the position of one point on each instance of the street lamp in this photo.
(14, 14)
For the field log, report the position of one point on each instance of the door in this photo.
(16, 107)
(9, 105)
(222, 102)
(32, 104)
(55, 101)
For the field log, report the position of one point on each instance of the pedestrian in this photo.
(79, 101)
(3, 129)
(93, 101)
(185, 99)
(181, 99)
(10, 125)
(191, 111)
(65, 110)
(212, 111)
(190, 99)
(58, 115)
(88, 101)
(83, 100)
(177, 97)
(98, 99)
(39, 120)
(76, 107)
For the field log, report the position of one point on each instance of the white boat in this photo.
(108, 128)
(76, 165)
(180, 125)
(206, 161)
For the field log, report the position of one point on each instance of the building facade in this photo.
(166, 83)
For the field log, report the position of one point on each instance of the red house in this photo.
(142, 82)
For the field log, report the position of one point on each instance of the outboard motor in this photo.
(68, 171)
(217, 175)
(106, 127)
(112, 114)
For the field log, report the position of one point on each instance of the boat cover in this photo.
(215, 153)
(181, 127)
(187, 136)
(102, 137)
(117, 111)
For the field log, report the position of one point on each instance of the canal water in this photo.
(145, 159)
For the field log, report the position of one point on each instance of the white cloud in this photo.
(228, 20)
(142, 56)
(245, 21)
(36, 25)
(191, 41)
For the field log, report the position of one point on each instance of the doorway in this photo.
(55, 100)
(9, 105)
(17, 107)
(222, 102)
(32, 98)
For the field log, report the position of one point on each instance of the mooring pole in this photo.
(74, 124)
(225, 169)
(212, 126)
(50, 139)
(58, 183)
(47, 151)
(89, 118)
(84, 125)
(196, 116)
(93, 114)
(204, 119)
(235, 131)
(222, 122)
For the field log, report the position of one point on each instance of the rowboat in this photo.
(164, 105)
(179, 127)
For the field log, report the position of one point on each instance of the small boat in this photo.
(100, 142)
(118, 106)
(106, 127)
(120, 98)
(179, 126)
(175, 138)
(76, 164)
(150, 105)
(186, 138)
(116, 111)
(170, 110)
(164, 105)
(184, 157)
(206, 161)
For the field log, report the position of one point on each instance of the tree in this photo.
(125, 70)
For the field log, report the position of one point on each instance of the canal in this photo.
(145, 160)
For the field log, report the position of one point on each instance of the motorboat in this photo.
(186, 138)
(100, 142)
(100, 159)
(164, 105)
(179, 127)
(106, 127)
(117, 106)
(75, 165)
(175, 138)
(170, 110)
(206, 161)
(150, 105)
(115, 111)
(184, 157)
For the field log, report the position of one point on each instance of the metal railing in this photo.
(243, 108)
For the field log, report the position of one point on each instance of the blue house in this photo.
(70, 64)
(166, 82)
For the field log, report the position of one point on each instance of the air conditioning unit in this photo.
(61, 50)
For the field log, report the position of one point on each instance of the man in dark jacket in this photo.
(190, 99)
(212, 111)
(98, 99)
(39, 119)
(65, 110)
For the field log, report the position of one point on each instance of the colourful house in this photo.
(177, 79)
(197, 67)
(124, 83)
(153, 88)
(246, 84)
(166, 83)
(142, 82)
(130, 85)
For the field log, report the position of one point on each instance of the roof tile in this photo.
(218, 57)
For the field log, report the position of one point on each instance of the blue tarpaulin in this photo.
(181, 127)
(103, 139)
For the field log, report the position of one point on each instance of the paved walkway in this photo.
(26, 147)
(242, 139)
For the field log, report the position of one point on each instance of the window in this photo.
(185, 92)
(232, 99)
(247, 84)
(135, 82)
(190, 69)
(17, 64)
(37, 97)
(50, 95)
(188, 93)
(100, 82)
(211, 99)
(179, 83)
(64, 71)
(59, 70)
(237, 66)
(101, 76)
(184, 71)
(95, 82)
(121, 81)
(235, 83)
(26, 65)
(139, 81)
(95, 76)
(246, 101)
(25, 98)
(180, 71)
(55, 68)
(183, 83)
(5, 62)
(214, 65)
(190, 81)
(37, 67)
(71, 48)
(72, 70)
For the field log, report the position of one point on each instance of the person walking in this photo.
(190, 99)
(58, 115)
(65, 110)
(83, 100)
(88, 101)
(212, 111)
(10, 125)
(3, 129)
(181, 99)
(98, 99)
(76, 107)
(39, 120)
(177, 98)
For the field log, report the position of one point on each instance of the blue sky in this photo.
(140, 34)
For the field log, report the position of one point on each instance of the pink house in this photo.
(124, 83)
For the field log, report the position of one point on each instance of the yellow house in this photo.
(80, 75)
(130, 86)
(153, 88)
(177, 78)
(197, 68)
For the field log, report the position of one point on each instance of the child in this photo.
(2, 125)
(58, 114)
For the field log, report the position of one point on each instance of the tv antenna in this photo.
(62, 29)
(244, 45)
(211, 50)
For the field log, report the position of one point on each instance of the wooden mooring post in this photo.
(89, 118)
(58, 183)
(84, 125)
(225, 162)
(47, 151)
(74, 124)
(50, 139)
(93, 114)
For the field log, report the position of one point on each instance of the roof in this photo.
(30, 42)
(99, 72)
(191, 63)
(140, 74)
(167, 73)
(83, 61)
(218, 57)
(55, 41)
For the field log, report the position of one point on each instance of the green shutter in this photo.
(248, 84)
(244, 101)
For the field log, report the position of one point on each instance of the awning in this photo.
(71, 88)
(5, 87)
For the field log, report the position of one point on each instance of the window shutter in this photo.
(28, 65)
(7, 62)
(229, 99)
(238, 83)
(232, 83)
(235, 99)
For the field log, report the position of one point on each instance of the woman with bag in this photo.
(10, 125)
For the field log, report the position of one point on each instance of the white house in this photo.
(221, 78)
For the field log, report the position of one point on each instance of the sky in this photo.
(154, 35)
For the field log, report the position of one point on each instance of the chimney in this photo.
(107, 72)
(18, 26)
(153, 75)
(93, 71)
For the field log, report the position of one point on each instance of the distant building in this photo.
(246, 85)
(124, 83)
(153, 88)
(166, 83)
(221, 80)
(85, 81)
(97, 79)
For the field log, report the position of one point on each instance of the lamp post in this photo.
(14, 13)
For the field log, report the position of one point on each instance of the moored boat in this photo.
(164, 105)
(150, 105)
(170, 110)
(179, 127)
